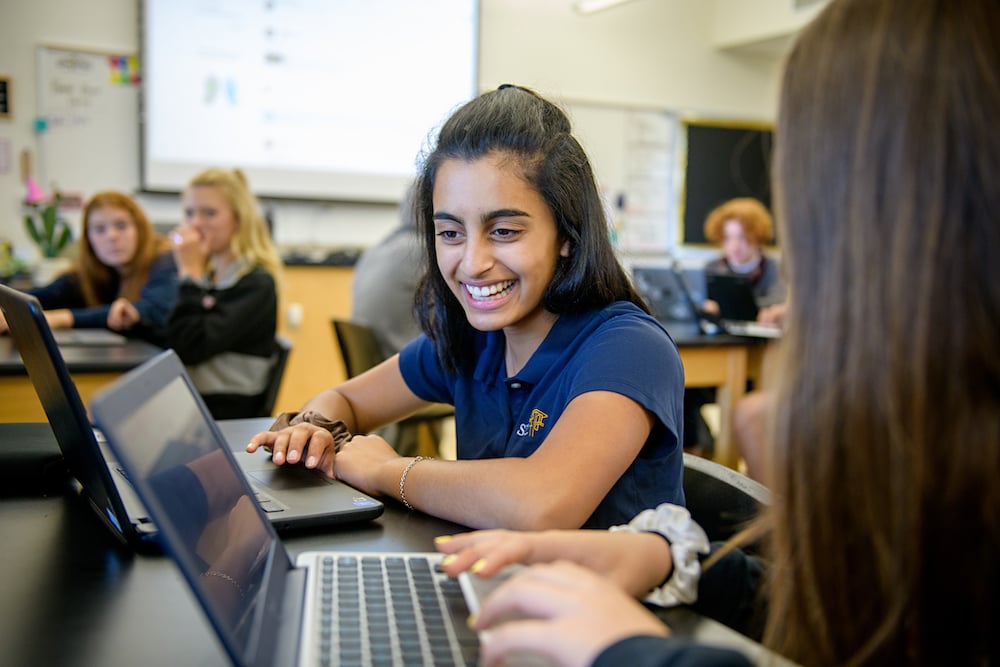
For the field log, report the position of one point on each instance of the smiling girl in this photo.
(567, 393)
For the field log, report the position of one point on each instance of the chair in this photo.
(270, 394)
(722, 500)
(358, 346)
(360, 351)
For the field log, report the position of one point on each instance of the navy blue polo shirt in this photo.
(618, 348)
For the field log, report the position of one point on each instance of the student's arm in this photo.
(595, 440)
(64, 305)
(364, 403)
(558, 486)
(159, 294)
(637, 562)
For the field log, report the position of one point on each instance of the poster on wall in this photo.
(87, 122)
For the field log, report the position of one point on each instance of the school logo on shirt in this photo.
(535, 421)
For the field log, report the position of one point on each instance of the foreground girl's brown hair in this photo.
(886, 540)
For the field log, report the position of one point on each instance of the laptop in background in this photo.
(675, 294)
(737, 305)
(88, 337)
(301, 497)
(326, 608)
(664, 294)
(734, 294)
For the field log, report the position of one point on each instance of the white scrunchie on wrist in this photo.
(686, 539)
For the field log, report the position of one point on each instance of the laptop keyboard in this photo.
(389, 610)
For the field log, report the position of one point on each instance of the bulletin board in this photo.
(722, 161)
(87, 120)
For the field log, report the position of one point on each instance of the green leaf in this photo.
(64, 238)
(33, 232)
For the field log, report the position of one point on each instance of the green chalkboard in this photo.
(723, 161)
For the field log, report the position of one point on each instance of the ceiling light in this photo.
(591, 6)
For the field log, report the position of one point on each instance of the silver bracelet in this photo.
(402, 479)
(225, 577)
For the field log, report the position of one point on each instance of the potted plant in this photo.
(49, 231)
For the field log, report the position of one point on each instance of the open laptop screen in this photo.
(734, 294)
(62, 404)
(198, 498)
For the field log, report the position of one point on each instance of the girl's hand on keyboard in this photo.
(635, 562)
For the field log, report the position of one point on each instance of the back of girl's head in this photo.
(887, 432)
(252, 241)
(536, 135)
(96, 277)
(750, 213)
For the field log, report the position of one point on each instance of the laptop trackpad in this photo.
(289, 477)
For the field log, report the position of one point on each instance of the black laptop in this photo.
(323, 608)
(296, 497)
(734, 294)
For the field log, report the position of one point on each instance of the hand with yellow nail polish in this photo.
(636, 562)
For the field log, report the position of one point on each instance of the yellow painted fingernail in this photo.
(478, 565)
(449, 559)
(441, 539)
(471, 621)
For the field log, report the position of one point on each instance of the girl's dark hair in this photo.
(519, 123)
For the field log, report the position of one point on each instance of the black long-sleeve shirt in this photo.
(728, 592)
(226, 338)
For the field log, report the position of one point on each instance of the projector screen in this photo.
(313, 99)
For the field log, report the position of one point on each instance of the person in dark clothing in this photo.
(884, 535)
(224, 324)
(124, 278)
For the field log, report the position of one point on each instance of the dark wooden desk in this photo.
(70, 595)
(91, 366)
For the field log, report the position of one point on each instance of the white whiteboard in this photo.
(88, 120)
(634, 153)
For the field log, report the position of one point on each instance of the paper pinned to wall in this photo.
(87, 124)
(634, 155)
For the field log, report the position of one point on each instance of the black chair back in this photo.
(723, 501)
(270, 395)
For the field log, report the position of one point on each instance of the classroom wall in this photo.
(659, 54)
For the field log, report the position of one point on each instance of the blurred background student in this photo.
(225, 321)
(382, 292)
(741, 227)
(385, 281)
(124, 277)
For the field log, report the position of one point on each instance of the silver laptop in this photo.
(92, 337)
(328, 608)
(297, 497)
